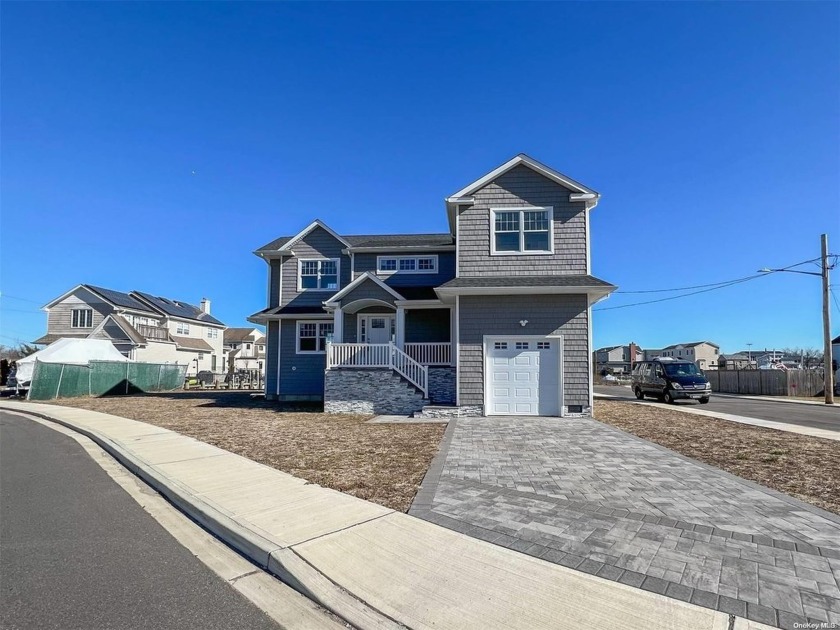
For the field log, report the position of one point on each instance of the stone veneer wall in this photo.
(442, 385)
(370, 391)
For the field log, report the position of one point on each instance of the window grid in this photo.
(521, 231)
(522, 345)
(500, 345)
(407, 264)
(543, 345)
(320, 275)
(312, 337)
(82, 318)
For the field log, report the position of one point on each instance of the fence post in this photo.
(90, 369)
(60, 376)
(160, 372)
(126, 377)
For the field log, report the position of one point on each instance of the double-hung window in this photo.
(522, 230)
(318, 275)
(312, 337)
(82, 318)
(182, 328)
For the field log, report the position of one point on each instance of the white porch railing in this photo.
(374, 355)
(430, 353)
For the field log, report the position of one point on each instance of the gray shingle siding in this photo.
(546, 314)
(317, 244)
(446, 270)
(300, 374)
(60, 317)
(517, 188)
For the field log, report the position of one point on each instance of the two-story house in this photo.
(618, 359)
(244, 349)
(143, 327)
(492, 317)
(704, 353)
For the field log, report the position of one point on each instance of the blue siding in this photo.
(271, 348)
(300, 374)
(446, 270)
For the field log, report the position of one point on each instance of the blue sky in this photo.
(155, 146)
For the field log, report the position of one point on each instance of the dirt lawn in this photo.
(798, 465)
(383, 463)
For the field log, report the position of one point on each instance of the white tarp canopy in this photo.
(65, 350)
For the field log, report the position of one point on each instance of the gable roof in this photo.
(534, 165)
(178, 309)
(366, 276)
(690, 345)
(130, 331)
(317, 223)
(236, 335)
(373, 241)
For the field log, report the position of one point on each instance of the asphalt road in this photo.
(814, 416)
(78, 552)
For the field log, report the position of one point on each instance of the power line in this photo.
(12, 297)
(714, 284)
(676, 297)
(17, 310)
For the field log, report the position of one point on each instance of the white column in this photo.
(338, 326)
(401, 327)
(453, 335)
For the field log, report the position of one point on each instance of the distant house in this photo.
(704, 353)
(617, 359)
(736, 361)
(143, 327)
(244, 349)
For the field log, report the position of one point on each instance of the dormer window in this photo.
(318, 275)
(522, 230)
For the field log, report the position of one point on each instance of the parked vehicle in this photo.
(670, 379)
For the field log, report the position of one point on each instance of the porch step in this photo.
(438, 411)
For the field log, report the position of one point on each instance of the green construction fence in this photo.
(103, 378)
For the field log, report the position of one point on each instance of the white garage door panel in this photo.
(523, 380)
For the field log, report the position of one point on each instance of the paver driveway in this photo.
(588, 496)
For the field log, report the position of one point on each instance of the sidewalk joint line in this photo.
(335, 531)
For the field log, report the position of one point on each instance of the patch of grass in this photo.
(383, 463)
(798, 465)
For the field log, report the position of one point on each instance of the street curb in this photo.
(265, 554)
(780, 399)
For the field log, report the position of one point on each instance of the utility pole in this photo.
(828, 373)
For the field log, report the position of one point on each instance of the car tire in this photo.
(640, 395)
(667, 397)
(704, 400)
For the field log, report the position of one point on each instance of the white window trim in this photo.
(522, 251)
(88, 312)
(319, 323)
(389, 272)
(337, 262)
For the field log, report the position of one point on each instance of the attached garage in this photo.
(523, 376)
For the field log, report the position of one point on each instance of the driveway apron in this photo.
(583, 494)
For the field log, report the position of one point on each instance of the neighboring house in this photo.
(617, 359)
(704, 353)
(492, 317)
(244, 349)
(736, 361)
(141, 326)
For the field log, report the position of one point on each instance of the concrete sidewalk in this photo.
(369, 565)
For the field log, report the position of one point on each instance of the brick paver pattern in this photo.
(585, 495)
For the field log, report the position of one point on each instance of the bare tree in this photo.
(13, 353)
(809, 357)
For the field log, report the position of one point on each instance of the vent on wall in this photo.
(575, 408)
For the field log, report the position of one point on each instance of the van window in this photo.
(681, 369)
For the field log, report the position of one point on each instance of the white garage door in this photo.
(523, 376)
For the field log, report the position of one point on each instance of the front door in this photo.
(377, 328)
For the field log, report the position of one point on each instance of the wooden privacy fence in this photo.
(767, 382)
